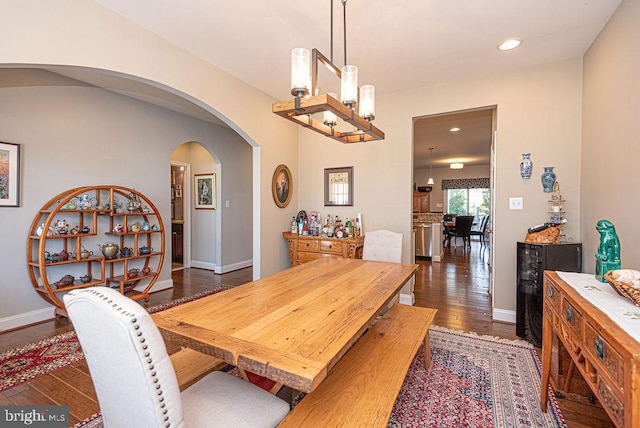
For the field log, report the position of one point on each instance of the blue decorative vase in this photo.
(526, 166)
(548, 179)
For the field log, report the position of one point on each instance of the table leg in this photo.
(427, 351)
(547, 331)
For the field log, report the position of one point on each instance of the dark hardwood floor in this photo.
(458, 287)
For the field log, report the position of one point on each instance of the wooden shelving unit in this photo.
(93, 212)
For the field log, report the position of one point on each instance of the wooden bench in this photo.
(191, 366)
(361, 389)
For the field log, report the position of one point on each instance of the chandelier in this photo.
(456, 165)
(356, 106)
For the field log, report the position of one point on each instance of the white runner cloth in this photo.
(621, 310)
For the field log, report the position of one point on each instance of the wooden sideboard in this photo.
(606, 355)
(303, 249)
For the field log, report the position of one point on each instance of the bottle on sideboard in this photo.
(294, 226)
(349, 228)
(329, 226)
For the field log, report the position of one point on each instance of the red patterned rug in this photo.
(474, 381)
(22, 364)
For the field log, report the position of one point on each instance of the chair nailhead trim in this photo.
(144, 347)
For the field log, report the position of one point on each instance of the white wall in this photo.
(75, 136)
(610, 173)
(538, 111)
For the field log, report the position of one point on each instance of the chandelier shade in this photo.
(300, 76)
(368, 102)
(456, 165)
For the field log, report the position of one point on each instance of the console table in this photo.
(303, 249)
(600, 330)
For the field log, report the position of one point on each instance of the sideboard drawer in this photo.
(308, 245)
(553, 295)
(604, 354)
(572, 318)
(331, 247)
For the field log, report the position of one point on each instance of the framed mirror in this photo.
(338, 186)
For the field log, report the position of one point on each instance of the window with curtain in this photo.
(468, 196)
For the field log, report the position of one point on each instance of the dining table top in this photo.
(293, 326)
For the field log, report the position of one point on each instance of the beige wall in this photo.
(610, 173)
(538, 111)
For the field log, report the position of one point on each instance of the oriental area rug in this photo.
(473, 381)
(25, 363)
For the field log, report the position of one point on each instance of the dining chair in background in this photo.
(134, 378)
(482, 230)
(382, 246)
(462, 230)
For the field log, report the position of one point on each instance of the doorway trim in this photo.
(186, 213)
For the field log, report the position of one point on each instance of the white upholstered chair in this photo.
(382, 246)
(135, 381)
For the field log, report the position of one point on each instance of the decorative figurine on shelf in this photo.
(146, 226)
(556, 196)
(61, 227)
(118, 228)
(608, 255)
(155, 227)
(134, 202)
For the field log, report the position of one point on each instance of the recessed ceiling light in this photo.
(509, 44)
(455, 129)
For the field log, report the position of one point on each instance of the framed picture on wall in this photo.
(9, 175)
(338, 186)
(205, 191)
(282, 186)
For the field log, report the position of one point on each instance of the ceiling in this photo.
(397, 45)
(471, 145)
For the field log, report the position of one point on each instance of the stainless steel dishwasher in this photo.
(423, 239)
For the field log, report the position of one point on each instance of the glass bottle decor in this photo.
(548, 179)
(526, 166)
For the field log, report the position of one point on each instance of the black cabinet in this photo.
(533, 260)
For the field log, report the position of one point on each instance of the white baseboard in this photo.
(234, 266)
(27, 318)
(408, 299)
(203, 265)
(222, 269)
(504, 315)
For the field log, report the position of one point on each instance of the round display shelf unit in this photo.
(68, 235)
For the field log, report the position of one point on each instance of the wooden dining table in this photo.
(293, 326)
